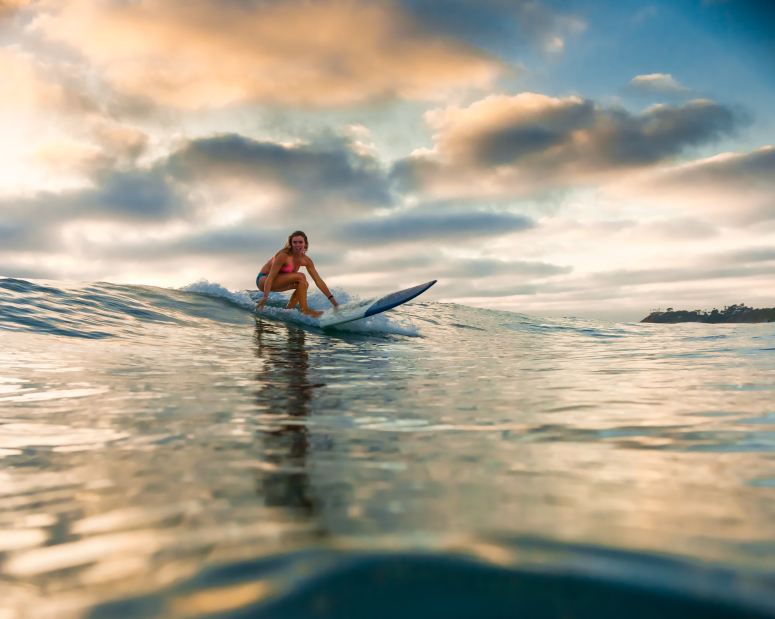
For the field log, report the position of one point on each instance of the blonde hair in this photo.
(288, 249)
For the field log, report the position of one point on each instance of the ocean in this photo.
(171, 453)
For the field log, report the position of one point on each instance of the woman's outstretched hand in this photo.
(333, 302)
(261, 303)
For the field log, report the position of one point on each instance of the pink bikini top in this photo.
(285, 269)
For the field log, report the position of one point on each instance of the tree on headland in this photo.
(738, 312)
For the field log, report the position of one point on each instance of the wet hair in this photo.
(288, 249)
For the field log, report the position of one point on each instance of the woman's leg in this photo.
(293, 300)
(301, 291)
(292, 281)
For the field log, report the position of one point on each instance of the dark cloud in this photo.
(326, 177)
(411, 174)
(663, 131)
(488, 267)
(754, 254)
(136, 195)
(436, 265)
(614, 136)
(230, 243)
(129, 196)
(326, 170)
(512, 142)
(162, 192)
(23, 271)
(511, 291)
(21, 235)
(530, 144)
(419, 226)
(226, 242)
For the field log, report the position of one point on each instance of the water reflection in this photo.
(285, 392)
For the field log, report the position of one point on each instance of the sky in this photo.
(557, 158)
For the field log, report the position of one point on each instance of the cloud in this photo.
(59, 126)
(408, 227)
(224, 194)
(9, 7)
(733, 188)
(119, 197)
(657, 83)
(634, 278)
(21, 86)
(529, 143)
(677, 228)
(318, 53)
(34, 80)
(484, 267)
(754, 254)
(501, 129)
(701, 282)
(504, 25)
(103, 146)
(197, 243)
(510, 291)
(329, 170)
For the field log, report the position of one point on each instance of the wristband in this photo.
(330, 296)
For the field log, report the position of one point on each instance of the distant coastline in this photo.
(730, 314)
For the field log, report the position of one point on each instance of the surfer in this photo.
(281, 273)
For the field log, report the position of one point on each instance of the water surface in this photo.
(150, 435)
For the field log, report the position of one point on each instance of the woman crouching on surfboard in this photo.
(281, 273)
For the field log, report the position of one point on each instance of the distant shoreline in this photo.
(732, 314)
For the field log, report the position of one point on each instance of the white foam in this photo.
(316, 300)
(241, 298)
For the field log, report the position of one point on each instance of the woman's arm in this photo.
(319, 281)
(276, 266)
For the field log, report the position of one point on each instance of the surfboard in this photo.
(369, 307)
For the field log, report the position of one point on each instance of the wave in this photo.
(275, 309)
(472, 578)
(103, 310)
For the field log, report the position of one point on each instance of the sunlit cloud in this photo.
(21, 86)
(7, 7)
(204, 53)
(658, 83)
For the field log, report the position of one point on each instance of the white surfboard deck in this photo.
(369, 307)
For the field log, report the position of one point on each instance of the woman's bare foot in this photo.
(311, 313)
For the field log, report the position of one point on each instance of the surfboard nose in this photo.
(397, 298)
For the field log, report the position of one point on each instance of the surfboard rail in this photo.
(370, 307)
